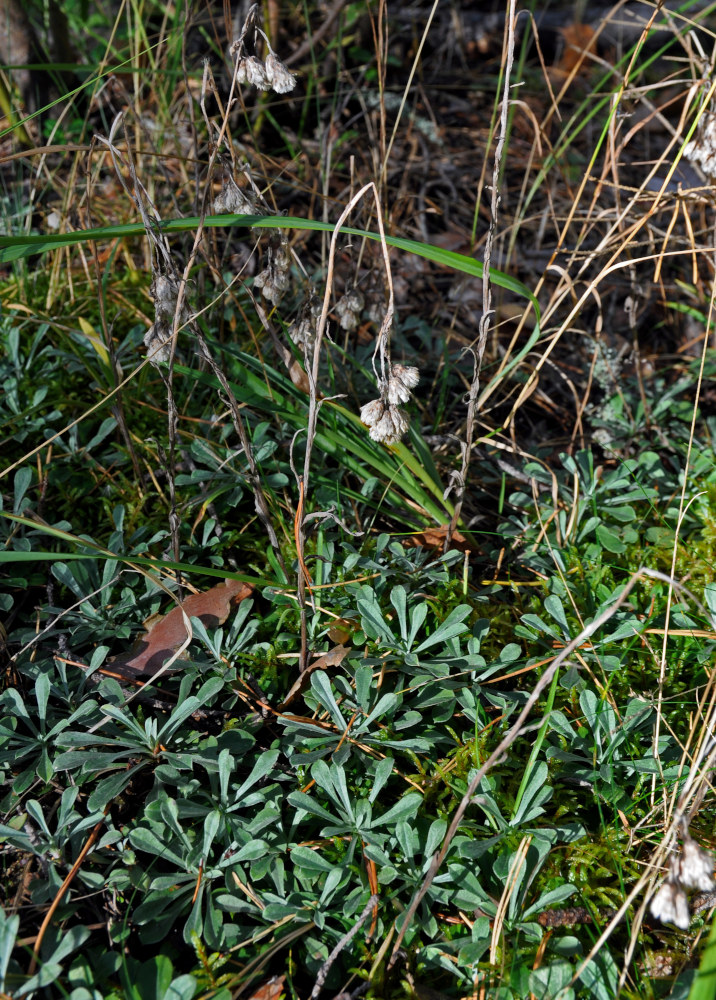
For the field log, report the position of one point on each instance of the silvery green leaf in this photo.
(453, 625)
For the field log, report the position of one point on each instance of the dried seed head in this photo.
(232, 199)
(375, 309)
(702, 148)
(273, 282)
(671, 905)
(164, 292)
(303, 330)
(158, 342)
(251, 70)
(282, 257)
(386, 423)
(349, 308)
(279, 76)
(696, 867)
(402, 380)
(157, 339)
(372, 412)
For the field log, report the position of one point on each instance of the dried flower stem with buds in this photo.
(169, 288)
(386, 422)
(460, 478)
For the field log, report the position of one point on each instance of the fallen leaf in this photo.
(270, 990)
(434, 538)
(332, 658)
(341, 629)
(579, 43)
(166, 634)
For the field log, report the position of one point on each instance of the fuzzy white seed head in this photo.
(671, 905)
(401, 383)
(372, 412)
(385, 423)
(279, 76)
(273, 282)
(696, 867)
(702, 149)
(251, 70)
(391, 427)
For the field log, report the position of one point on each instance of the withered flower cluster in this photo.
(275, 280)
(271, 74)
(232, 199)
(691, 868)
(702, 148)
(158, 338)
(348, 309)
(383, 417)
(303, 329)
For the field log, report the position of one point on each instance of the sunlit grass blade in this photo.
(17, 247)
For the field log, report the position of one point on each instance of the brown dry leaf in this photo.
(332, 658)
(341, 630)
(166, 634)
(579, 43)
(270, 990)
(434, 538)
(298, 377)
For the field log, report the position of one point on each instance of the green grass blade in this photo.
(160, 566)
(17, 247)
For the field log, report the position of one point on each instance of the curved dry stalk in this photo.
(314, 404)
(60, 894)
(472, 404)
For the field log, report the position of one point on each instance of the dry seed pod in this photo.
(702, 148)
(349, 308)
(158, 338)
(233, 200)
(158, 342)
(696, 867)
(303, 330)
(164, 292)
(273, 282)
(279, 76)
